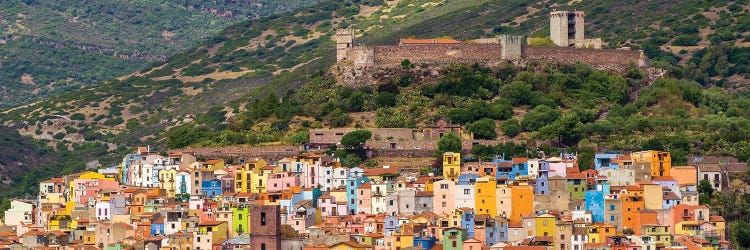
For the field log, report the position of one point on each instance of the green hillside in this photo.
(269, 80)
(49, 47)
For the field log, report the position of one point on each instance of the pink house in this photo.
(443, 199)
(357, 224)
(329, 207)
(364, 198)
(85, 190)
(558, 169)
(282, 181)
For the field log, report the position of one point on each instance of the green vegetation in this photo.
(701, 108)
(450, 142)
(64, 45)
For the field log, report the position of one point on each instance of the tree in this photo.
(705, 190)
(450, 142)
(538, 117)
(518, 92)
(356, 139)
(567, 127)
(511, 127)
(740, 231)
(483, 129)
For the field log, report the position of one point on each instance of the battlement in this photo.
(356, 64)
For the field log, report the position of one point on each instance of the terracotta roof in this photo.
(520, 160)
(662, 178)
(716, 218)
(211, 223)
(429, 41)
(424, 193)
(382, 171)
(576, 176)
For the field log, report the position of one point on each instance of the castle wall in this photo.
(602, 59)
(391, 56)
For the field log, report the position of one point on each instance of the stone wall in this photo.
(392, 56)
(602, 59)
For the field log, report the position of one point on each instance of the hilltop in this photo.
(50, 47)
(267, 81)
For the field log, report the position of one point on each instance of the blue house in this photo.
(605, 161)
(595, 201)
(211, 188)
(467, 221)
(467, 179)
(503, 169)
(511, 169)
(426, 242)
(157, 226)
(352, 183)
(390, 224)
(496, 230)
(542, 181)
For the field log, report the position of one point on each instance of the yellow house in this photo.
(371, 239)
(720, 225)
(54, 222)
(215, 164)
(252, 177)
(166, 181)
(403, 241)
(217, 229)
(545, 226)
(688, 227)
(661, 161)
(484, 198)
(243, 177)
(451, 166)
(653, 196)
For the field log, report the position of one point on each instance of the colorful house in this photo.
(485, 196)
(661, 162)
(451, 166)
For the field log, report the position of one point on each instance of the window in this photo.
(445, 204)
(611, 207)
(444, 186)
(611, 218)
(262, 218)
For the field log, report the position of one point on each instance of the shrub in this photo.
(483, 129)
(77, 117)
(511, 127)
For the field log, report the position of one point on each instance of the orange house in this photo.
(645, 217)
(522, 201)
(683, 212)
(661, 161)
(632, 203)
(685, 175)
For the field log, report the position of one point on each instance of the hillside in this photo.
(226, 90)
(50, 47)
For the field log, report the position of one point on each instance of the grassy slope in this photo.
(55, 46)
(280, 53)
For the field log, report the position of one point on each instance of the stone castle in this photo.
(356, 63)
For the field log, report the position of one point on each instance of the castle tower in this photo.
(566, 27)
(511, 47)
(344, 41)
